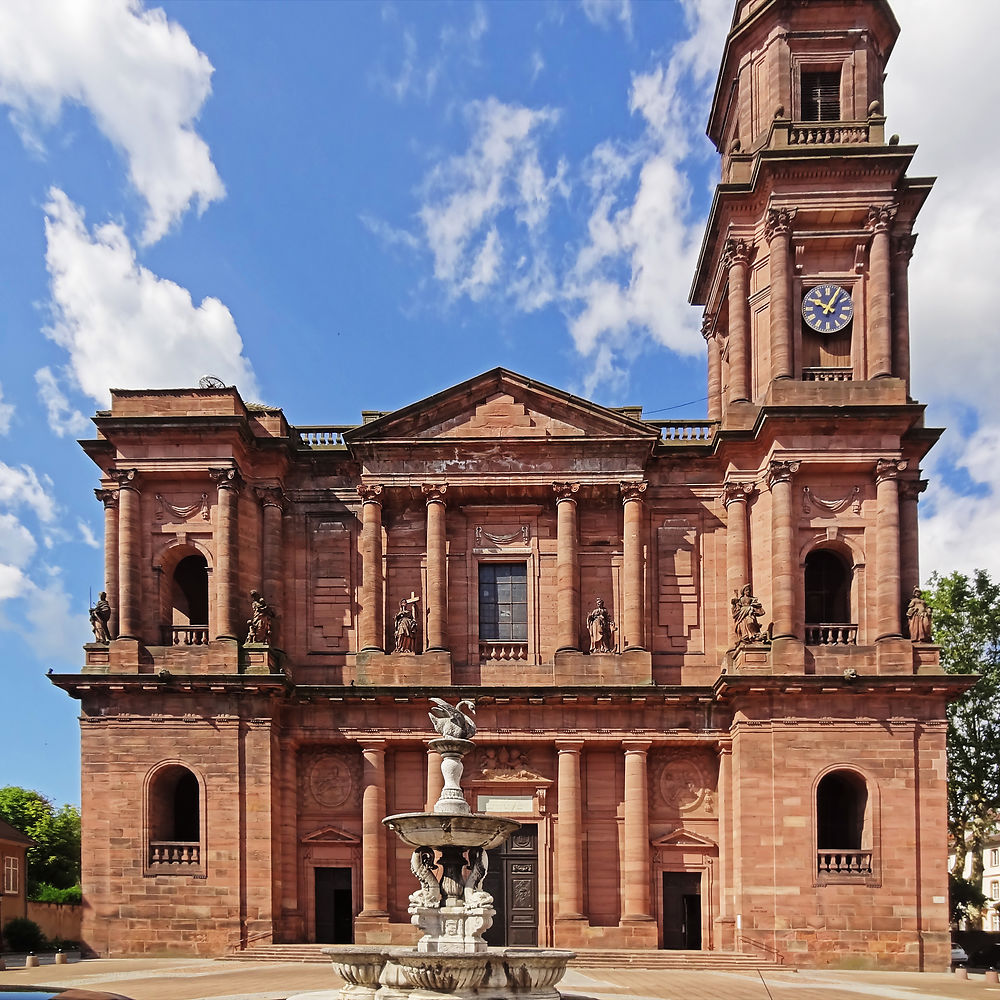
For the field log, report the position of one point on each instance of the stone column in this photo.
(227, 551)
(879, 323)
(371, 627)
(711, 336)
(273, 502)
(129, 553)
(567, 568)
(569, 845)
(435, 779)
(437, 568)
(736, 499)
(736, 258)
(902, 251)
(632, 568)
(373, 853)
(726, 824)
(110, 500)
(636, 869)
(784, 557)
(909, 538)
(777, 230)
(887, 591)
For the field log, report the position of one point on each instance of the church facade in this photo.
(700, 680)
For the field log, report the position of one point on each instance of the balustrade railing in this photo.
(325, 436)
(174, 852)
(492, 650)
(827, 374)
(827, 133)
(185, 635)
(686, 430)
(831, 634)
(830, 862)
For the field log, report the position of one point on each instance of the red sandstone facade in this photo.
(777, 798)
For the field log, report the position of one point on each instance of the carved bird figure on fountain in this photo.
(450, 721)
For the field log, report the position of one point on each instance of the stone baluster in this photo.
(887, 592)
(569, 846)
(374, 893)
(633, 569)
(777, 231)
(636, 868)
(229, 483)
(437, 567)
(736, 499)
(784, 558)
(273, 503)
(737, 256)
(110, 500)
(711, 335)
(909, 538)
(567, 568)
(371, 628)
(129, 552)
(879, 323)
(902, 251)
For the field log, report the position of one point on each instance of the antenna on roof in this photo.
(211, 382)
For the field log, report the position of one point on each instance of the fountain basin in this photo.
(437, 830)
(359, 966)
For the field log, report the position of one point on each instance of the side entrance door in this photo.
(512, 880)
(334, 906)
(682, 911)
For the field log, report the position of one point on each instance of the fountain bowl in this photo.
(359, 966)
(440, 830)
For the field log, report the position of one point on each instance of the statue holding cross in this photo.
(405, 629)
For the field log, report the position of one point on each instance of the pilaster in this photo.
(567, 568)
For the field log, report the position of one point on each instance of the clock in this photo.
(827, 308)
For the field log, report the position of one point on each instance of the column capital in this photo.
(565, 491)
(734, 491)
(271, 496)
(227, 478)
(781, 471)
(632, 491)
(880, 218)
(636, 746)
(910, 489)
(737, 251)
(433, 492)
(127, 479)
(889, 468)
(902, 245)
(569, 746)
(708, 330)
(107, 497)
(373, 745)
(778, 222)
(370, 493)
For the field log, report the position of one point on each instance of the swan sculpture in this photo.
(450, 721)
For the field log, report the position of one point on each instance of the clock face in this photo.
(827, 308)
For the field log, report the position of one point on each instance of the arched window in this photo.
(189, 602)
(174, 819)
(828, 599)
(843, 836)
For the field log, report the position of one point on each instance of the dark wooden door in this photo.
(334, 906)
(513, 882)
(682, 911)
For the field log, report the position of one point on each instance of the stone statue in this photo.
(100, 615)
(474, 893)
(918, 615)
(423, 868)
(405, 629)
(450, 722)
(747, 611)
(259, 623)
(601, 629)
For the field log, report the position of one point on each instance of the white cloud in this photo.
(88, 536)
(12, 582)
(17, 544)
(138, 74)
(21, 487)
(55, 630)
(6, 414)
(123, 326)
(63, 418)
(605, 13)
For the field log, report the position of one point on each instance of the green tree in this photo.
(967, 627)
(55, 859)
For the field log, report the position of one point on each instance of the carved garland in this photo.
(809, 500)
(482, 533)
(182, 512)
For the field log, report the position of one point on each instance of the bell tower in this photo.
(803, 269)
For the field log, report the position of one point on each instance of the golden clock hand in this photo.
(828, 308)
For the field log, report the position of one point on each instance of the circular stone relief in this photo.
(330, 780)
(682, 784)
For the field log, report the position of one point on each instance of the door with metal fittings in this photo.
(682, 911)
(334, 906)
(513, 882)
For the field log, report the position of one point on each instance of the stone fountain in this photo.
(451, 908)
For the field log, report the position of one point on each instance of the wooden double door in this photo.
(512, 880)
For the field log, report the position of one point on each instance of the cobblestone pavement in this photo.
(205, 979)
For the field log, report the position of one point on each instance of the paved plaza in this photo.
(203, 979)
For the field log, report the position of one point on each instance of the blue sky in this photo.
(350, 206)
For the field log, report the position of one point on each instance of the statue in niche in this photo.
(100, 616)
(918, 616)
(747, 612)
(261, 616)
(405, 628)
(601, 628)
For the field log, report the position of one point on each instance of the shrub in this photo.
(23, 935)
(46, 893)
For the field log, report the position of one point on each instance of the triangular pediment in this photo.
(330, 835)
(503, 404)
(682, 838)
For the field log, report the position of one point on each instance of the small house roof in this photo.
(12, 835)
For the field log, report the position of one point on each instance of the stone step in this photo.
(586, 958)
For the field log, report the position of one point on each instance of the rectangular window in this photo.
(11, 873)
(994, 858)
(995, 922)
(821, 96)
(994, 890)
(503, 601)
